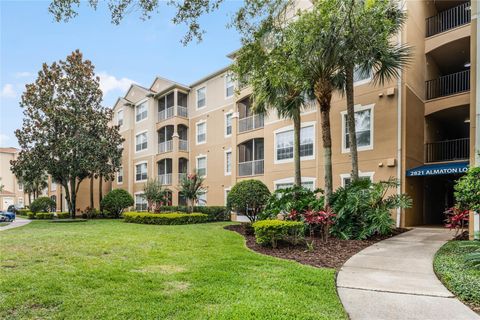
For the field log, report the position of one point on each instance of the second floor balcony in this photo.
(448, 85)
(165, 146)
(448, 19)
(447, 150)
(251, 168)
(165, 179)
(251, 158)
(253, 122)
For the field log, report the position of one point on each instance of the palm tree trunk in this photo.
(296, 148)
(323, 93)
(352, 137)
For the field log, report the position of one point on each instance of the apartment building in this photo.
(12, 189)
(420, 128)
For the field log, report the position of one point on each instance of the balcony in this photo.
(448, 19)
(166, 114)
(183, 145)
(182, 111)
(250, 123)
(251, 168)
(447, 150)
(165, 179)
(165, 146)
(448, 85)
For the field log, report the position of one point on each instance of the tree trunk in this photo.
(296, 148)
(323, 93)
(100, 192)
(352, 137)
(92, 204)
(73, 198)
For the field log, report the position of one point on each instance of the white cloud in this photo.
(8, 91)
(24, 74)
(111, 83)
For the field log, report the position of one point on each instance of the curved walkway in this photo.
(18, 222)
(394, 279)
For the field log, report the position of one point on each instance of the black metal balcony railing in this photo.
(448, 19)
(448, 85)
(250, 168)
(448, 150)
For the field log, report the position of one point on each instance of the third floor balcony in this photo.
(247, 120)
(448, 19)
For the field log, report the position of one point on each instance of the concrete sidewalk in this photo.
(394, 279)
(19, 222)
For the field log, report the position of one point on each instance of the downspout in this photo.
(399, 128)
(476, 216)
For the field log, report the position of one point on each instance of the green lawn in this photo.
(463, 280)
(108, 269)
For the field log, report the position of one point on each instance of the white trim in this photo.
(344, 176)
(290, 128)
(206, 163)
(225, 123)
(225, 76)
(137, 134)
(225, 194)
(135, 109)
(196, 97)
(359, 107)
(196, 132)
(135, 171)
(290, 180)
(225, 161)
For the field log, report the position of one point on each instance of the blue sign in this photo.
(438, 169)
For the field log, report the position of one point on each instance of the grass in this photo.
(460, 278)
(108, 269)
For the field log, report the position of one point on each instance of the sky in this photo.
(134, 52)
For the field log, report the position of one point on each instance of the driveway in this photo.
(394, 279)
(19, 222)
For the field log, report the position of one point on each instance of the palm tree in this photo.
(273, 75)
(366, 45)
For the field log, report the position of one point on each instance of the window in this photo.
(120, 175)
(228, 124)
(202, 200)
(228, 162)
(20, 186)
(202, 166)
(346, 178)
(141, 141)
(53, 186)
(141, 111)
(201, 132)
(363, 129)
(361, 77)
(120, 118)
(227, 191)
(201, 97)
(284, 143)
(141, 172)
(283, 185)
(140, 202)
(229, 85)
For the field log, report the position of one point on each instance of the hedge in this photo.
(40, 215)
(269, 232)
(215, 213)
(23, 212)
(63, 215)
(165, 218)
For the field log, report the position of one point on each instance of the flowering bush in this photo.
(321, 220)
(456, 219)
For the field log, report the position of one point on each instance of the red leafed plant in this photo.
(456, 219)
(321, 220)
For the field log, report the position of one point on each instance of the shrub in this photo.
(269, 232)
(363, 208)
(320, 220)
(90, 213)
(248, 197)
(44, 215)
(467, 190)
(215, 213)
(42, 204)
(63, 215)
(116, 201)
(165, 218)
(23, 212)
(294, 198)
(456, 219)
(31, 215)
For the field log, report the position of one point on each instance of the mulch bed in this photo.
(332, 254)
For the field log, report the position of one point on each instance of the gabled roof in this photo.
(174, 83)
(213, 74)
